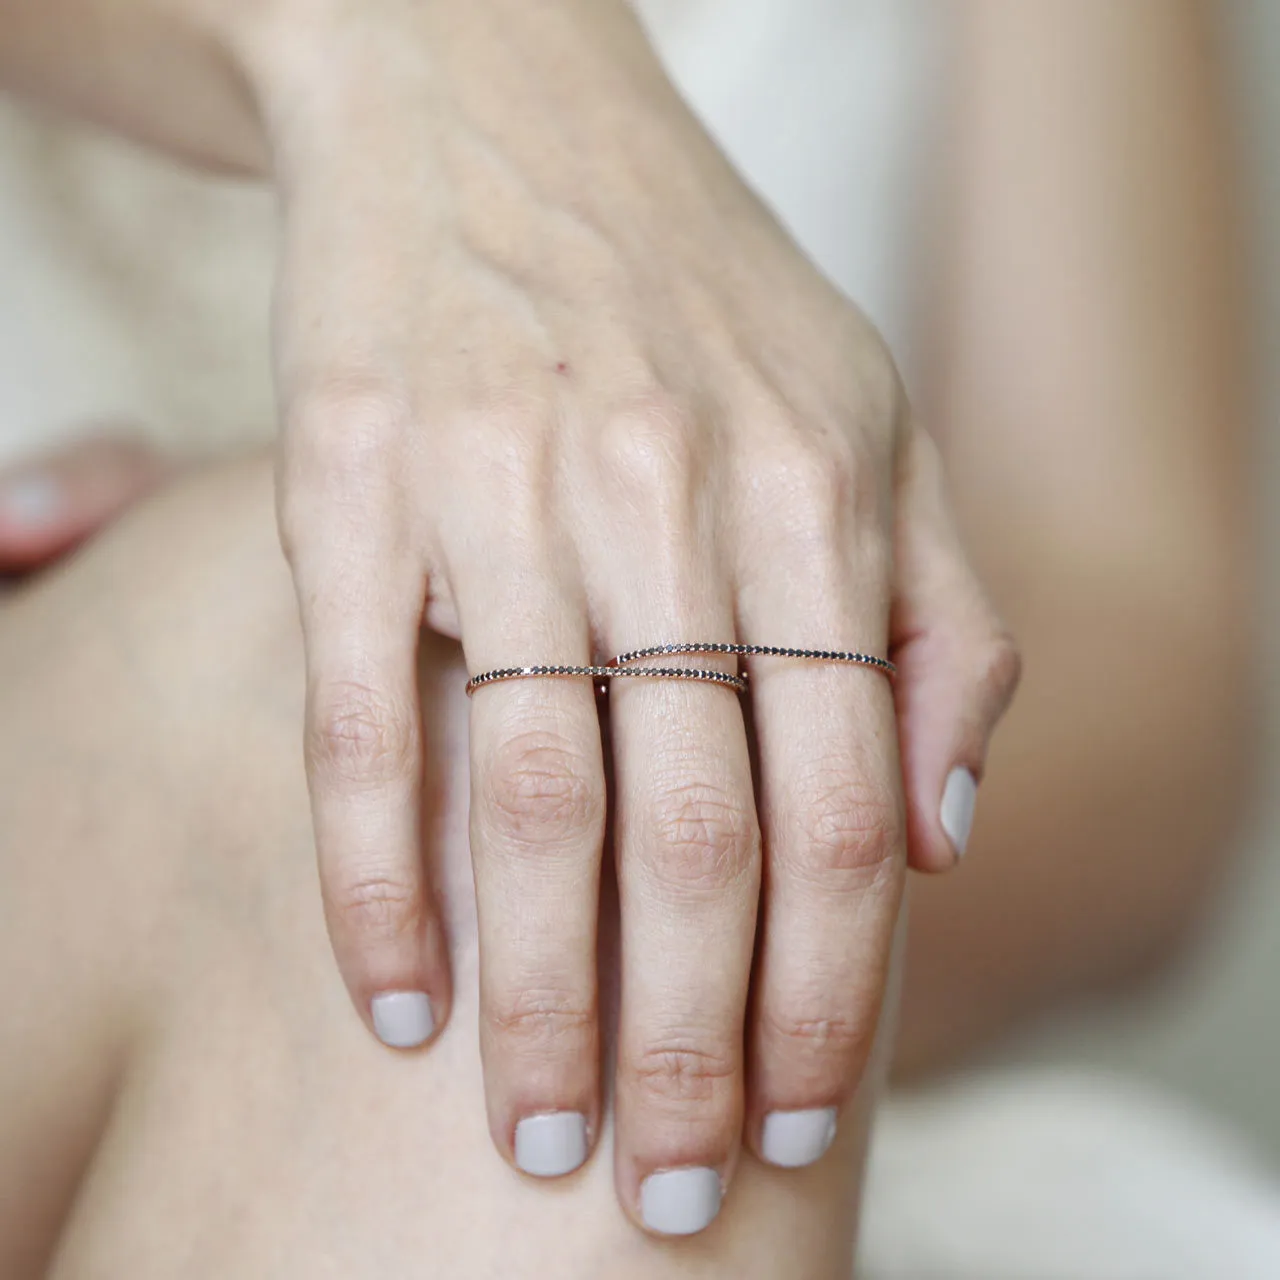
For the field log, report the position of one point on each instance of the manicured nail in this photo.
(793, 1139)
(958, 799)
(551, 1145)
(33, 501)
(402, 1019)
(680, 1202)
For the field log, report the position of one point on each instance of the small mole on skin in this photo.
(562, 369)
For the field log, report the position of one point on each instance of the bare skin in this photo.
(1091, 393)
(179, 1031)
(503, 416)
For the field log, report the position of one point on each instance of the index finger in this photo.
(360, 592)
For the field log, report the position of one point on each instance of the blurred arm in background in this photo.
(50, 504)
(1090, 395)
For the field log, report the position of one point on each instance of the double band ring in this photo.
(620, 666)
(609, 672)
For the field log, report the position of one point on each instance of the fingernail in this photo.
(32, 501)
(793, 1139)
(680, 1202)
(958, 799)
(551, 1145)
(402, 1019)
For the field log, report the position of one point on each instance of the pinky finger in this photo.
(957, 666)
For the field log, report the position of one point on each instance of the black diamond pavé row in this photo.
(754, 650)
(619, 666)
(737, 683)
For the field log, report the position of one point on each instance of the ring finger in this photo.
(832, 817)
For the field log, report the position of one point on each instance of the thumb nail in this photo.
(32, 501)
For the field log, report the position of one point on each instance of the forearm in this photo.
(163, 72)
(226, 84)
(1090, 402)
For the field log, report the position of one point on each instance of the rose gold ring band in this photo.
(621, 665)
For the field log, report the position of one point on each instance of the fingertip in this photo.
(680, 1202)
(955, 813)
(542, 1089)
(551, 1144)
(797, 1139)
(402, 1019)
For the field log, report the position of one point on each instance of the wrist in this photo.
(571, 92)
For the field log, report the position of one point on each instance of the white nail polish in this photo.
(793, 1139)
(402, 1019)
(32, 501)
(958, 798)
(680, 1202)
(551, 1145)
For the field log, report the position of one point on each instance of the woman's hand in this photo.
(554, 381)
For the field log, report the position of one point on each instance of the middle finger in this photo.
(688, 852)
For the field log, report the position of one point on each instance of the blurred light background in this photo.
(1212, 1030)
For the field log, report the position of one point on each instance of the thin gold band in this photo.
(759, 650)
(737, 683)
(619, 666)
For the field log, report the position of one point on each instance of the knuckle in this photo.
(833, 1034)
(819, 1044)
(882, 397)
(358, 735)
(924, 456)
(505, 456)
(514, 422)
(292, 523)
(792, 463)
(876, 555)
(823, 475)
(542, 790)
(374, 902)
(340, 456)
(649, 449)
(820, 485)
(340, 427)
(704, 840)
(678, 1070)
(852, 837)
(510, 440)
(1000, 668)
(544, 1021)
